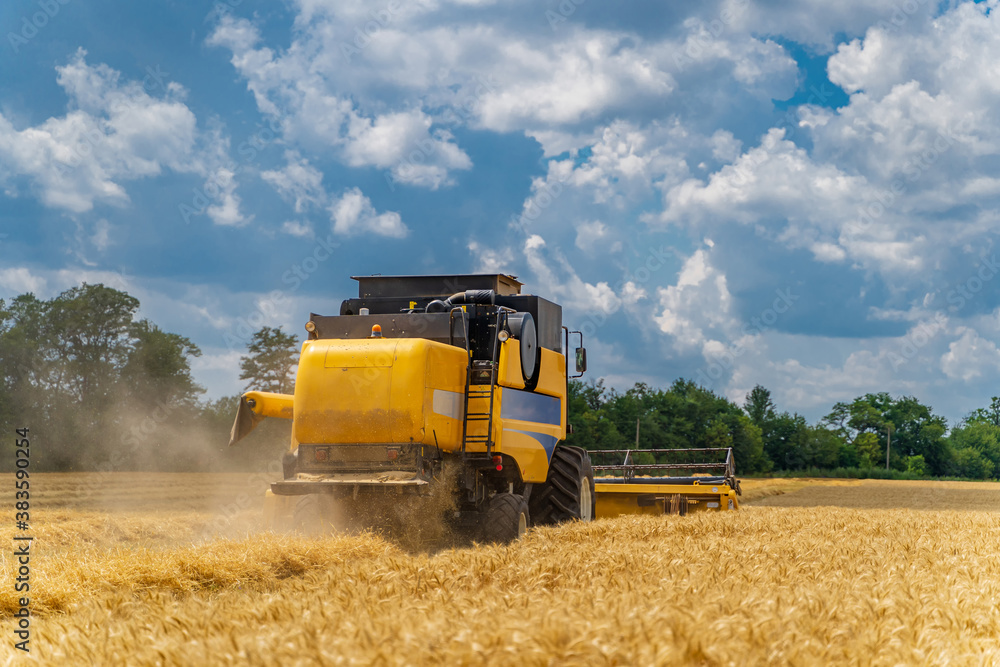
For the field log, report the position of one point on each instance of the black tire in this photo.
(308, 517)
(588, 473)
(570, 483)
(506, 519)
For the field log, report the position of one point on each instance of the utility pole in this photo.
(637, 433)
(888, 442)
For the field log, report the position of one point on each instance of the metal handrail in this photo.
(665, 466)
(629, 469)
(661, 449)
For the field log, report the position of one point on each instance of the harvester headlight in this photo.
(503, 336)
(310, 326)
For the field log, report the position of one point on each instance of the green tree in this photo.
(972, 444)
(915, 465)
(971, 463)
(822, 448)
(592, 428)
(270, 362)
(915, 430)
(990, 415)
(158, 367)
(759, 406)
(84, 375)
(869, 450)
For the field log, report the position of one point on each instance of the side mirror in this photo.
(581, 360)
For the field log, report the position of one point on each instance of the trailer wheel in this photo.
(588, 474)
(506, 518)
(568, 493)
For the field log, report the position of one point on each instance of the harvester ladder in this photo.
(480, 396)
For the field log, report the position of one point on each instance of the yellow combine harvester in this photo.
(425, 381)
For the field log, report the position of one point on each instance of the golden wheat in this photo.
(765, 585)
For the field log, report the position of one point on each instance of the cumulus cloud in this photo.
(297, 88)
(353, 214)
(114, 131)
(19, 280)
(296, 228)
(695, 312)
(970, 356)
(298, 182)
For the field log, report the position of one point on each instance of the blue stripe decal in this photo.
(528, 406)
(548, 442)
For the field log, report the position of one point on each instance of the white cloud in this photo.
(298, 182)
(298, 88)
(565, 82)
(102, 235)
(590, 235)
(828, 252)
(114, 131)
(226, 211)
(970, 356)
(555, 277)
(19, 280)
(695, 312)
(299, 229)
(489, 259)
(354, 214)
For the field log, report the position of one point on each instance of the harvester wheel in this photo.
(568, 493)
(277, 512)
(308, 517)
(506, 518)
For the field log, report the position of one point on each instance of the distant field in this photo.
(171, 569)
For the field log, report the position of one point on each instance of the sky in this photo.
(791, 193)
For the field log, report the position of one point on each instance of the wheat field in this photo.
(147, 569)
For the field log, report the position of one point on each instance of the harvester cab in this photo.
(425, 385)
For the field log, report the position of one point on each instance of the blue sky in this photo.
(792, 193)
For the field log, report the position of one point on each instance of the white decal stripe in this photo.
(448, 403)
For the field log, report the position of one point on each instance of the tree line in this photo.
(853, 439)
(102, 389)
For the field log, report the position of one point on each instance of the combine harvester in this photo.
(426, 381)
